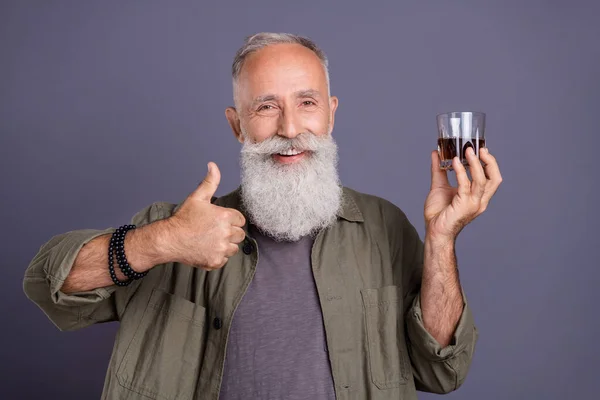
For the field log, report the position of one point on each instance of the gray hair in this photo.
(261, 40)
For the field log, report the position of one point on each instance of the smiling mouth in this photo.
(291, 156)
(290, 153)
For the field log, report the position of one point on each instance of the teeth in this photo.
(290, 152)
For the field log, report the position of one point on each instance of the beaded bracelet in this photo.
(121, 258)
(111, 267)
(117, 246)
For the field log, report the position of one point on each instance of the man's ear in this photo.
(234, 122)
(333, 105)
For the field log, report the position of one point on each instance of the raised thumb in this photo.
(209, 185)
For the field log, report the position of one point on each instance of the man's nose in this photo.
(289, 126)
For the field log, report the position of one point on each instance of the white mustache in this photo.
(277, 144)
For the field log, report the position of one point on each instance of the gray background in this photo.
(107, 106)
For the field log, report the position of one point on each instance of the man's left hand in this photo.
(448, 209)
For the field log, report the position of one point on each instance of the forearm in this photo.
(145, 247)
(441, 298)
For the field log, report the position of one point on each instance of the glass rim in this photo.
(454, 114)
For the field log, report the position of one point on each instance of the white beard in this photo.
(289, 201)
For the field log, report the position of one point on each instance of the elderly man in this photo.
(291, 287)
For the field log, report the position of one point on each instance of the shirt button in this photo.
(248, 248)
(217, 323)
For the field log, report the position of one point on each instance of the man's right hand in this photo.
(202, 234)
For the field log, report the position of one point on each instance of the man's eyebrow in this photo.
(264, 98)
(308, 93)
(299, 94)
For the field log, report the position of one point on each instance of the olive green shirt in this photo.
(174, 323)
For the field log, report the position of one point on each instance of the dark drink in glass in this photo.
(457, 131)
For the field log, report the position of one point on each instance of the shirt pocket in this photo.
(163, 359)
(389, 362)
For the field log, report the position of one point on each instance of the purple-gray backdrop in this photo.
(107, 106)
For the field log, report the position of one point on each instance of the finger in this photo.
(439, 177)
(207, 268)
(493, 172)
(209, 185)
(215, 266)
(477, 173)
(236, 218)
(464, 184)
(237, 235)
(491, 168)
(232, 250)
(223, 262)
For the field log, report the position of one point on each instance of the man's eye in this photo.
(308, 103)
(265, 107)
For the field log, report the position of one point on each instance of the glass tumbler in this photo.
(458, 131)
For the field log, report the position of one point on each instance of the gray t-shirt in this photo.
(277, 348)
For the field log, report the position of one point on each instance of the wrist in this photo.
(148, 246)
(438, 242)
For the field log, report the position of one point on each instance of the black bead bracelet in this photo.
(117, 247)
(111, 267)
(122, 259)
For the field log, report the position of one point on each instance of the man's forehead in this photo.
(281, 53)
(272, 64)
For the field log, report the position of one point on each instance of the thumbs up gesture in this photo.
(204, 235)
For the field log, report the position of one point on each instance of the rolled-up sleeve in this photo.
(52, 264)
(436, 369)
(46, 274)
(440, 369)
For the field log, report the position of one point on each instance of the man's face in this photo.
(284, 117)
(282, 91)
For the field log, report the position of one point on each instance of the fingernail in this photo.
(485, 149)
